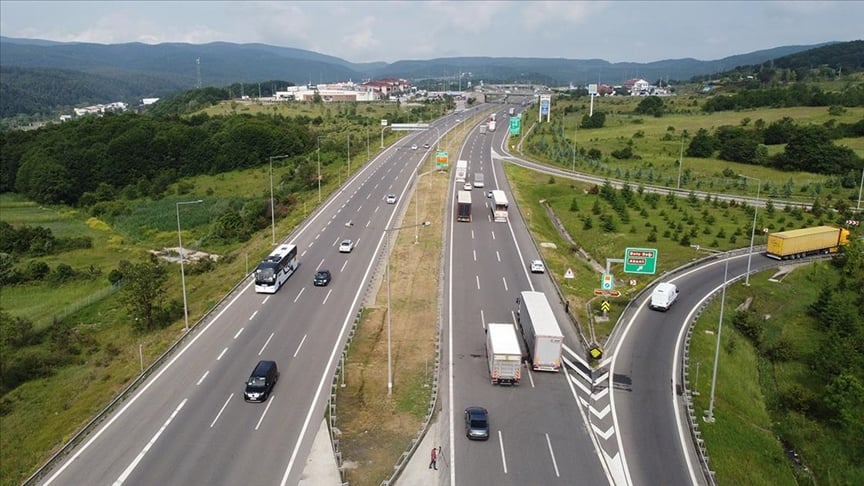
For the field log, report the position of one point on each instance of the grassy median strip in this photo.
(377, 428)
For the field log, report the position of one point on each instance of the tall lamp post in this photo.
(680, 160)
(319, 166)
(182, 271)
(272, 206)
(382, 135)
(709, 416)
(389, 353)
(349, 157)
(438, 141)
(753, 232)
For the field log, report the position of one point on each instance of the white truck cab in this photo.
(663, 296)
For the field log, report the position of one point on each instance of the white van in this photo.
(663, 296)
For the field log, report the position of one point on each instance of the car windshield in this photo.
(257, 382)
(478, 423)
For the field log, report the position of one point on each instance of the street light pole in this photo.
(709, 416)
(182, 271)
(349, 157)
(680, 160)
(382, 136)
(389, 346)
(272, 208)
(753, 232)
(319, 166)
(389, 351)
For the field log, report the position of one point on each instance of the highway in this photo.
(538, 431)
(646, 376)
(189, 424)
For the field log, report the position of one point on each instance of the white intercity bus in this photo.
(275, 270)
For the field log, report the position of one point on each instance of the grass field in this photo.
(744, 443)
(676, 224)
(657, 142)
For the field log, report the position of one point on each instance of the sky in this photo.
(358, 31)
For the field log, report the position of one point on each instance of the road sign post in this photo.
(640, 260)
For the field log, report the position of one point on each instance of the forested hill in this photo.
(42, 77)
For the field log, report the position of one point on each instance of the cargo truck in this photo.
(512, 111)
(461, 170)
(808, 241)
(463, 206)
(540, 331)
(503, 354)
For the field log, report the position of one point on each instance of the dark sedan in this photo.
(476, 423)
(322, 278)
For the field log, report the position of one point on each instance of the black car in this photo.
(322, 278)
(261, 381)
(477, 423)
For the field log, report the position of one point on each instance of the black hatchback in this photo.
(322, 278)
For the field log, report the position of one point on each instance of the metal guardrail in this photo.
(101, 415)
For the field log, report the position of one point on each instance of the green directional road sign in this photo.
(640, 260)
(515, 125)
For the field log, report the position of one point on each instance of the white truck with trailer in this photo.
(540, 330)
(503, 354)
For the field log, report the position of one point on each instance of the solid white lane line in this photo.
(221, 410)
(269, 402)
(221, 354)
(300, 345)
(238, 333)
(123, 477)
(266, 343)
(552, 453)
(503, 456)
(202, 378)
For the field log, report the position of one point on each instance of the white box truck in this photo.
(503, 354)
(540, 330)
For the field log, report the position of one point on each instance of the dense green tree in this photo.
(143, 291)
(810, 149)
(650, 105)
(703, 145)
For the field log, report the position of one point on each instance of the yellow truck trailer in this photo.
(807, 241)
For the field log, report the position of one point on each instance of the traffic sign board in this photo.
(607, 293)
(607, 281)
(640, 260)
(569, 273)
(605, 306)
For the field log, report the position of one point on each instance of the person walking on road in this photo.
(433, 464)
